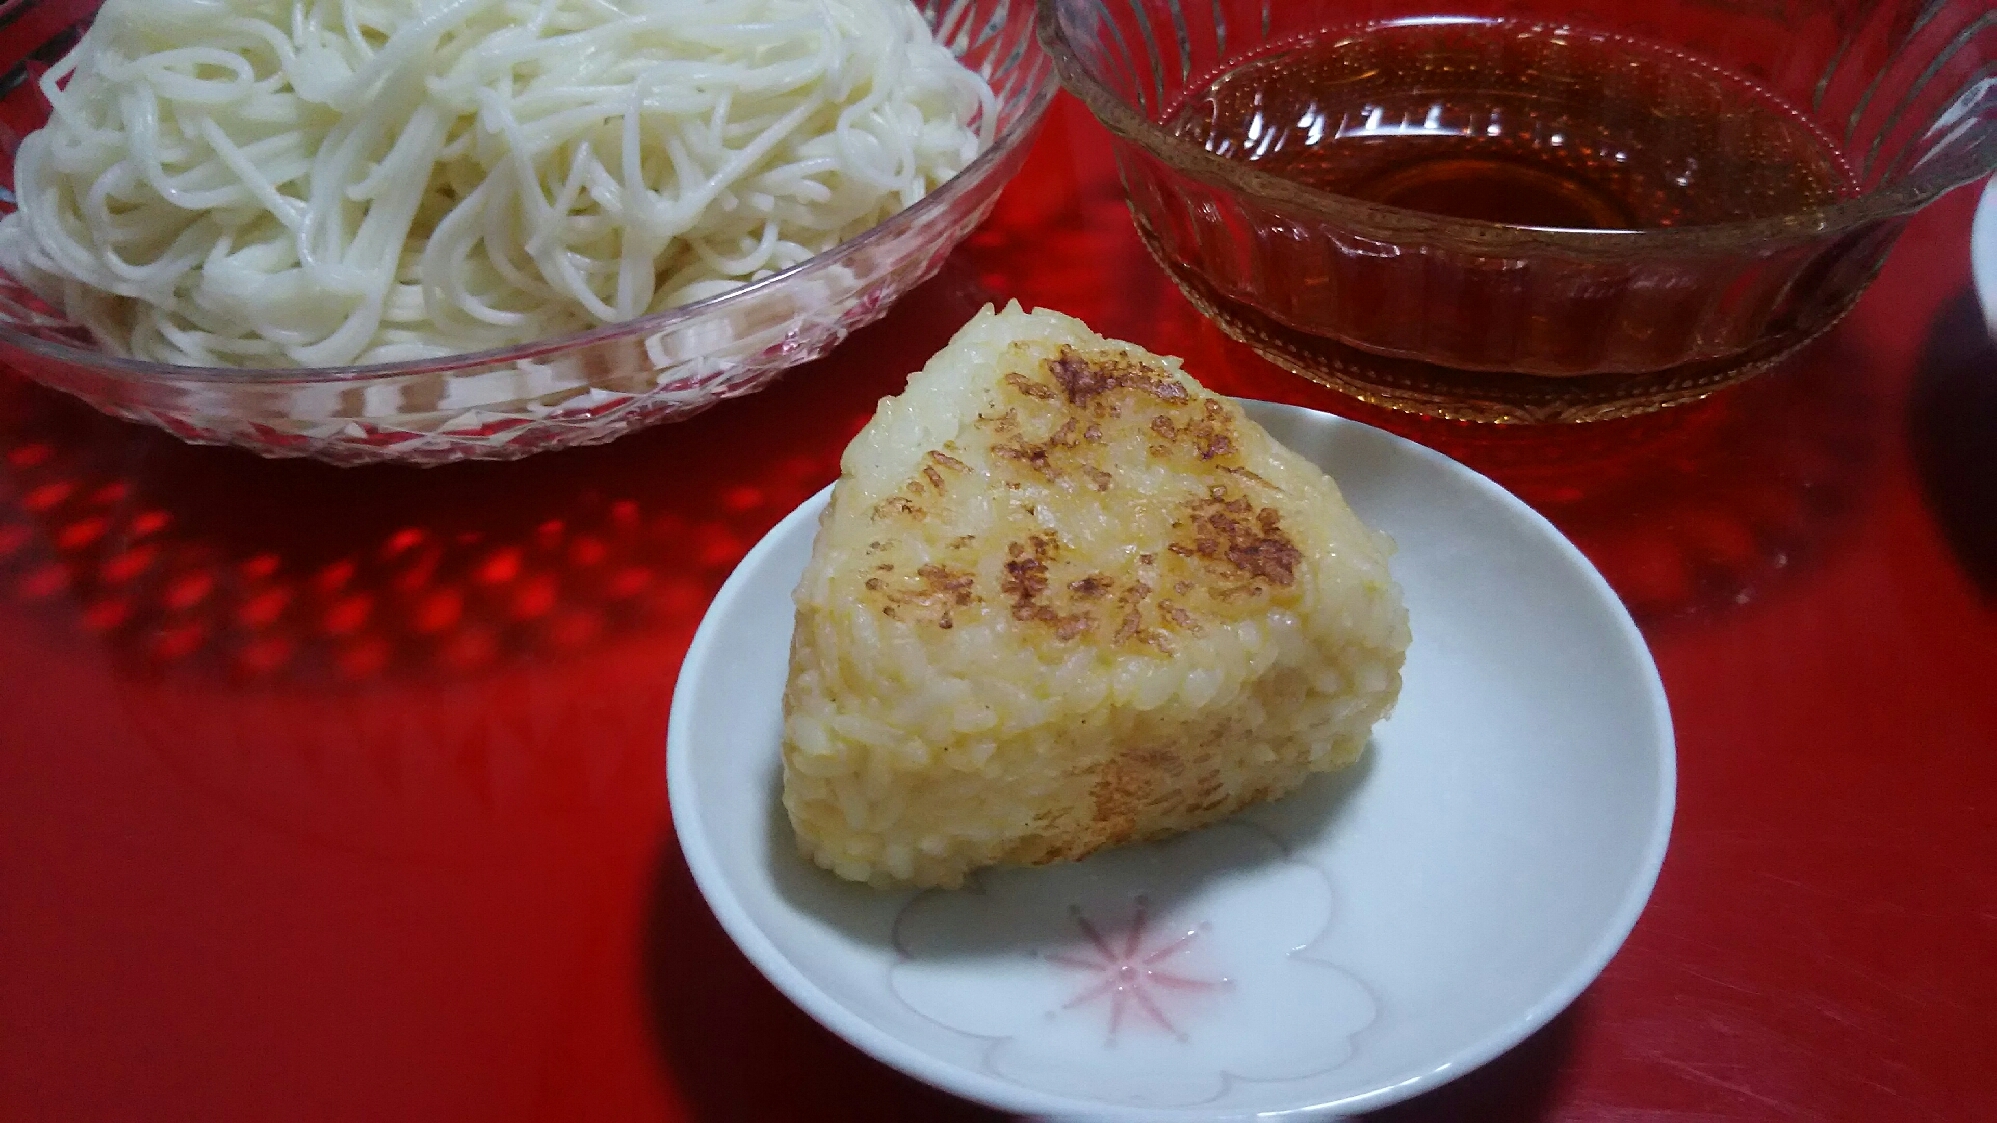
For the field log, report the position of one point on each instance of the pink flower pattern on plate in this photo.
(1131, 974)
(1167, 974)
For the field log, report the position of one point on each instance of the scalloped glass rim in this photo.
(1391, 223)
(118, 366)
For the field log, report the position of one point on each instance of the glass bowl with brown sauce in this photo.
(1529, 211)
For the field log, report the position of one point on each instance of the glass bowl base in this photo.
(1432, 390)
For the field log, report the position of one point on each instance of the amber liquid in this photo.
(1517, 123)
(1530, 125)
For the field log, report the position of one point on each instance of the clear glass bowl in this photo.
(582, 389)
(1475, 319)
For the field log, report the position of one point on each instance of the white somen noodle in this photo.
(328, 182)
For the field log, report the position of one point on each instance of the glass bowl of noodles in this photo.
(668, 208)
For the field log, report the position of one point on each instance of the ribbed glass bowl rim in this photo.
(1390, 223)
(138, 370)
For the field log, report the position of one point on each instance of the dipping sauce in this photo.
(1519, 123)
(1538, 126)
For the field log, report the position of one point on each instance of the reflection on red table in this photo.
(339, 794)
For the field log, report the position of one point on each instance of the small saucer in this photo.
(1377, 933)
(1983, 253)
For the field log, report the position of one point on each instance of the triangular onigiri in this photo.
(1065, 598)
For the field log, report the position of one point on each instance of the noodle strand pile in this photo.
(328, 182)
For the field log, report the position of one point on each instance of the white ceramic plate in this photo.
(1374, 935)
(1983, 253)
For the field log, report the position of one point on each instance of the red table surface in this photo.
(339, 794)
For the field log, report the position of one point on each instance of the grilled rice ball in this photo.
(1064, 598)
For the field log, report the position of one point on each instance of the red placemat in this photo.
(339, 794)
